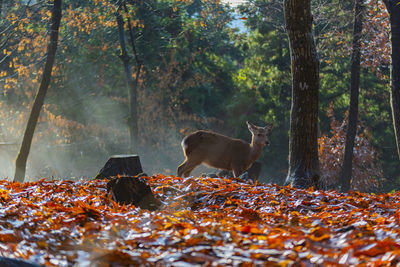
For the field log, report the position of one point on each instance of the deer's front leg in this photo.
(237, 171)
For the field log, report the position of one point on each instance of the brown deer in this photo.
(223, 152)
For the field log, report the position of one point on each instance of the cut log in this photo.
(120, 165)
(132, 190)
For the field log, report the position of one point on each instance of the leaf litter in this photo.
(203, 222)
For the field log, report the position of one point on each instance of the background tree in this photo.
(132, 83)
(20, 164)
(376, 54)
(303, 151)
(393, 8)
(354, 93)
(264, 84)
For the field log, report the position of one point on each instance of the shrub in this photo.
(366, 171)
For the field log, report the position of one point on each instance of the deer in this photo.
(223, 152)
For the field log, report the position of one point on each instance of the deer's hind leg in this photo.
(187, 167)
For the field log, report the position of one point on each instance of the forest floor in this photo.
(203, 221)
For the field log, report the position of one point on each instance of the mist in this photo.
(65, 150)
(186, 83)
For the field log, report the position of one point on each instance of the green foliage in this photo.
(264, 97)
(264, 81)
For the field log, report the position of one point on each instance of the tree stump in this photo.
(132, 190)
(120, 165)
(125, 185)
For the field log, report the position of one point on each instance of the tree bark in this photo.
(20, 165)
(303, 150)
(132, 84)
(393, 8)
(135, 53)
(345, 176)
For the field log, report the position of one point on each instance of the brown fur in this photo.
(222, 152)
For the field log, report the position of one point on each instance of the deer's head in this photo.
(260, 134)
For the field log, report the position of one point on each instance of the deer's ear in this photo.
(269, 127)
(251, 126)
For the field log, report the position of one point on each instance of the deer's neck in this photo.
(255, 151)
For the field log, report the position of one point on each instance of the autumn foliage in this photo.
(366, 173)
(87, 104)
(376, 46)
(203, 221)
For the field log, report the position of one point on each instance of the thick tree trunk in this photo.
(393, 8)
(345, 176)
(20, 165)
(303, 151)
(132, 84)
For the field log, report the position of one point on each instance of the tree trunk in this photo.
(345, 176)
(393, 8)
(133, 120)
(20, 165)
(134, 86)
(303, 150)
(135, 53)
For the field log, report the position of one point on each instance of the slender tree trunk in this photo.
(345, 176)
(133, 120)
(303, 150)
(134, 86)
(135, 53)
(281, 61)
(393, 7)
(20, 165)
